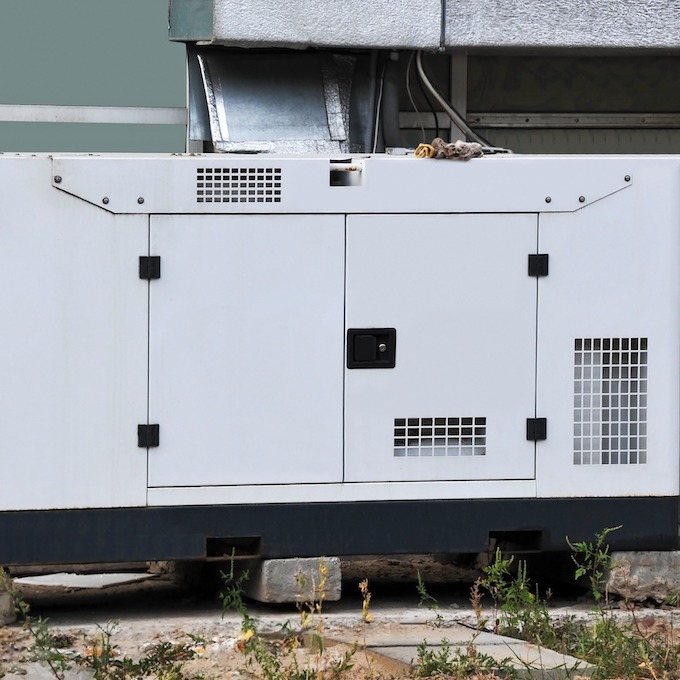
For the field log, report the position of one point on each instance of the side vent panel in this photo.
(462, 436)
(610, 401)
(238, 185)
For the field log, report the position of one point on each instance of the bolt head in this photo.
(382, 347)
(105, 200)
(548, 199)
(581, 199)
(627, 178)
(57, 179)
(140, 200)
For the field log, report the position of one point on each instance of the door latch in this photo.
(371, 347)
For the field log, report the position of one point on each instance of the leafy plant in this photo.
(593, 560)
(427, 600)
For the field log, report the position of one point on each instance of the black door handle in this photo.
(371, 347)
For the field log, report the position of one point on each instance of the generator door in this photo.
(246, 343)
(440, 347)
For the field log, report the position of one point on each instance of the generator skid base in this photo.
(290, 356)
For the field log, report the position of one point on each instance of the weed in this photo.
(459, 665)
(46, 648)
(593, 560)
(232, 597)
(278, 659)
(427, 600)
(366, 615)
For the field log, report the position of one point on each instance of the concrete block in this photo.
(352, 23)
(629, 24)
(645, 575)
(280, 580)
(7, 605)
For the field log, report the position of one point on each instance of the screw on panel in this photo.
(105, 200)
(627, 178)
(140, 200)
(382, 347)
(57, 179)
(548, 199)
(581, 199)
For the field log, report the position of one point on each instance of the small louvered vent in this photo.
(610, 401)
(238, 185)
(440, 436)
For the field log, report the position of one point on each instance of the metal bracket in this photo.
(538, 265)
(537, 429)
(149, 267)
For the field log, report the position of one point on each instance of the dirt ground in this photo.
(141, 616)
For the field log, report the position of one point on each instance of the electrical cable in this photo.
(431, 106)
(377, 109)
(410, 97)
(450, 111)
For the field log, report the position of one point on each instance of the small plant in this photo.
(593, 560)
(427, 600)
(277, 659)
(366, 615)
(311, 596)
(232, 597)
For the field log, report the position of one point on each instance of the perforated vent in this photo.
(440, 436)
(610, 401)
(238, 185)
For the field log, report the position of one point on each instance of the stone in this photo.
(293, 580)
(8, 612)
(645, 575)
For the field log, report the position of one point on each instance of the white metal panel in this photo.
(613, 275)
(329, 493)
(72, 347)
(457, 290)
(247, 350)
(381, 184)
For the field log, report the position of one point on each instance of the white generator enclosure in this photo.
(303, 355)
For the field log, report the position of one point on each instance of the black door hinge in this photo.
(150, 267)
(537, 429)
(538, 265)
(148, 436)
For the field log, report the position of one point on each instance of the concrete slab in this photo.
(36, 671)
(400, 643)
(69, 580)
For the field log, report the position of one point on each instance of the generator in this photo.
(304, 355)
(298, 338)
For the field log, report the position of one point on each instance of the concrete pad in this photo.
(68, 580)
(278, 581)
(645, 575)
(400, 643)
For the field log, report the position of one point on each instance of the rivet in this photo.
(57, 179)
(140, 200)
(105, 200)
(627, 178)
(581, 199)
(548, 199)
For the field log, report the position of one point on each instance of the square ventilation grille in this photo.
(610, 401)
(238, 185)
(426, 437)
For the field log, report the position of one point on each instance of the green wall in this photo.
(89, 52)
